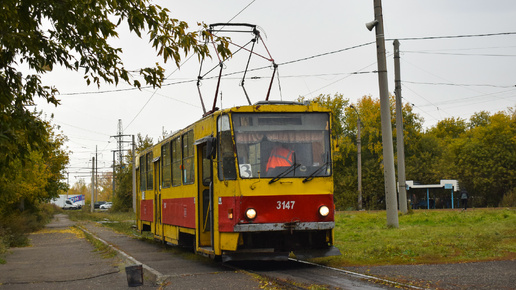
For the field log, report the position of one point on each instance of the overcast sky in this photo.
(441, 77)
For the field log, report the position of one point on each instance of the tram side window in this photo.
(143, 174)
(176, 162)
(148, 169)
(166, 165)
(188, 158)
(226, 155)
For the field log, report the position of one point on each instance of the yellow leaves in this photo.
(71, 230)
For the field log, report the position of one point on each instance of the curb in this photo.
(155, 277)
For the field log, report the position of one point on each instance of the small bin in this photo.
(134, 275)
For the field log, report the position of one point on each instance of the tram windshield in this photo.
(277, 145)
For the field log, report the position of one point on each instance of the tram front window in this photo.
(286, 144)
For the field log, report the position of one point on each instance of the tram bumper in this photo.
(281, 241)
(291, 226)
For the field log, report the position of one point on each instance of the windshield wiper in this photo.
(284, 173)
(311, 176)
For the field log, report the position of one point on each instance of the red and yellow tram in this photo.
(249, 182)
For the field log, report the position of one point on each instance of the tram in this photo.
(249, 182)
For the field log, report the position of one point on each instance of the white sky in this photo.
(442, 78)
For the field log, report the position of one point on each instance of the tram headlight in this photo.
(250, 213)
(324, 211)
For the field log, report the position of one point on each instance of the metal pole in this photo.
(359, 159)
(402, 190)
(68, 183)
(388, 152)
(114, 170)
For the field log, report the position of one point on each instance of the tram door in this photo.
(157, 197)
(205, 197)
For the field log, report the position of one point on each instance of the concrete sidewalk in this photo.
(60, 258)
(171, 270)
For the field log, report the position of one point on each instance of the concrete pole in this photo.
(96, 174)
(134, 175)
(359, 159)
(92, 183)
(402, 189)
(388, 151)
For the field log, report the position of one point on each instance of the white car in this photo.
(71, 205)
(106, 205)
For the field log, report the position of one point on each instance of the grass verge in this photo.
(104, 250)
(122, 222)
(424, 236)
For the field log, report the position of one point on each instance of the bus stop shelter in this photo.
(446, 184)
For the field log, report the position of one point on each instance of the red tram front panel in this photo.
(280, 209)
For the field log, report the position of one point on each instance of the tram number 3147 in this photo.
(285, 204)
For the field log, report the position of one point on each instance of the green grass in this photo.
(424, 236)
(122, 222)
(105, 251)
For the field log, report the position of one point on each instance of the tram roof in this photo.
(261, 106)
(278, 106)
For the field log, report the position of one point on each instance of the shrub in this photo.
(15, 226)
(509, 199)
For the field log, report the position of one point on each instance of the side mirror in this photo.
(211, 147)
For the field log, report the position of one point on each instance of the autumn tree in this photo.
(37, 178)
(485, 157)
(123, 197)
(105, 186)
(37, 36)
(346, 170)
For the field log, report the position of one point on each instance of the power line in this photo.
(327, 53)
(461, 54)
(241, 11)
(453, 36)
(154, 93)
(460, 85)
(308, 58)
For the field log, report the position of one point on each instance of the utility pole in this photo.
(359, 159)
(92, 183)
(134, 175)
(120, 149)
(96, 173)
(402, 190)
(388, 152)
(114, 170)
(120, 144)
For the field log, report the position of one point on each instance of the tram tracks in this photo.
(299, 274)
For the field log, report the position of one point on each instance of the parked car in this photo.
(98, 204)
(71, 205)
(106, 205)
(72, 201)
